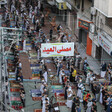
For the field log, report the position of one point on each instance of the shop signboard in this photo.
(105, 44)
(84, 24)
(57, 49)
(94, 38)
(61, 5)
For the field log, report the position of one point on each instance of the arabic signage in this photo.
(84, 24)
(57, 49)
(106, 45)
(94, 38)
(61, 5)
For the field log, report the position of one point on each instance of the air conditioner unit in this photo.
(93, 11)
(92, 28)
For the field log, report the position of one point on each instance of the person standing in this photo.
(97, 90)
(69, 98)
(45, 76)
(103, 70)
(79, 92)
(61, 74)
(66, 88)
(42, 20)
(51, 32)
(71, 71)
(59, 66)
(89, 105)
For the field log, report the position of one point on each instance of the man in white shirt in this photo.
(45, 76)
(20, 64)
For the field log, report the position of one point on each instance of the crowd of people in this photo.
(79, 73)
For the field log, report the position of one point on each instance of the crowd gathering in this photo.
(71, 71)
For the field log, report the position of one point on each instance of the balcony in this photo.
(104, 6)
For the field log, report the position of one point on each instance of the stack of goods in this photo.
(36, 94)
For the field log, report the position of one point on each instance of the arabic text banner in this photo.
(57, 49)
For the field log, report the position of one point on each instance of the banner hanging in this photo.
(57, 49)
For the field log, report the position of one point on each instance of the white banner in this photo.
(57, 49)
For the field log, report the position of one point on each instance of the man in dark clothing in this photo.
(66, 88)
(75, 103)
(51, 32)
(94, 107)
(96, 90)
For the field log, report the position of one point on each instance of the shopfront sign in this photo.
(94, 38)
(57, 49)
(84, 24)
(104, 43)
(61, 5)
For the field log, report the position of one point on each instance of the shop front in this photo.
(96, 53)
(105, 42)
(84, 35)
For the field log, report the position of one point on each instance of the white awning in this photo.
(59, 1)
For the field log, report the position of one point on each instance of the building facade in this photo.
(94, 22)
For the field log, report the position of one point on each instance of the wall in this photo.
(93, 50)
(104, 6)
(101, 23)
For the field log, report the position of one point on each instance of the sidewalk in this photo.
(93, 63)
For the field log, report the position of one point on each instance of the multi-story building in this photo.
(94, 24)
(103, 24)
